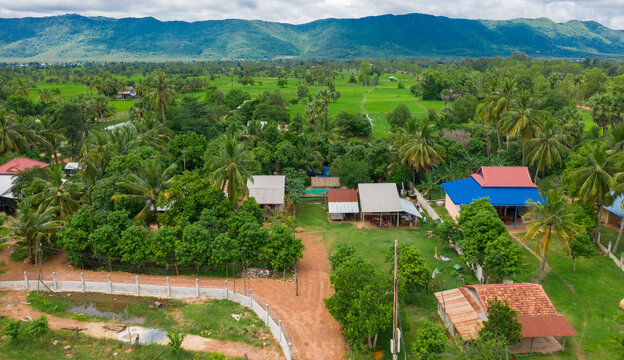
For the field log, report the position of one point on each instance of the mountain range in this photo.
(80, 38)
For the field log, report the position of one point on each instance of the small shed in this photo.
(324, 182)
(379, 199)
(614, 214)
(7, 177)
(342, 204)
(71, 168)
(268, 190)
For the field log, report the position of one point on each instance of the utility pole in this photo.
(395, 306)
(184, 158)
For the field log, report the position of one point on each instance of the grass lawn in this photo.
(588, 298)
(211, 319)
(89, 348)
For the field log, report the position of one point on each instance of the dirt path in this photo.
(12, 306)
(313, 332)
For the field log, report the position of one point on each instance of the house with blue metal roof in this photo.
(507, 187)
(614, 214)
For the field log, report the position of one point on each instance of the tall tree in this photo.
(231, 167)
(594, 178)
(547, 218)
(547, 147)
(57, 192)
(31, 227)
(417, 144)
(161, 91)
(522, 119)
(148, 186)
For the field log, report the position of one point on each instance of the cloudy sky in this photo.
(607, 12)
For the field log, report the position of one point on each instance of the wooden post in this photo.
(110, 285)
(197, 286)
(26, 280)
(515, 216)
(54, 280)
(138, 290)
(564, 343)
(227, 295)
(296, 284)
(531, 346)
(82, 281)
(168, 288)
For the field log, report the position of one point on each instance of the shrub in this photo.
(11, 328)
(176, 337)
(430, 340)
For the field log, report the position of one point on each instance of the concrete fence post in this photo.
(82, 282)
(138, 290)
(622, 259)
(227, 295)
(281, 331)
(168, 288)
(54, 280)
(609, 247)
(26, 280)
(289, 351)
(110, 285)
(266, 307)
(197, 286)
(251, 299)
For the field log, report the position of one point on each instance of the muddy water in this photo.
(107, 306)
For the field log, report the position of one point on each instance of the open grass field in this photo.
(588, 298)
(89, 348)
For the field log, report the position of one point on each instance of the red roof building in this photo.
(504, 176)
(464, 309)
(20, 164)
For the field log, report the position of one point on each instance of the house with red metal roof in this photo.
(508, 189)
(7, 176)
(464, 310)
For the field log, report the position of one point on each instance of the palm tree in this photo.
(161, 91)
(148, 186)
(548, 218)
(577, 81)
(594, 178)
(417, 145)
(522, 119)
(328, 128)
(547, 147)
(62, 195)
(11, 134)
(44, 95)
(231, 167)
(20, 88)
(615, 139)
(31, 227)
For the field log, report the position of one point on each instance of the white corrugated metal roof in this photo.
(409, 208)
(267, 189)
(6, 183)
(343, 207)
(72, 165)
(376, 198)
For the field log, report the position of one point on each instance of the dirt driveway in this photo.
(313, 332)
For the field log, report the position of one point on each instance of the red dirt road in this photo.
(313, 332)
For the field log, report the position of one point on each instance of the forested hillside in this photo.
(75, 37)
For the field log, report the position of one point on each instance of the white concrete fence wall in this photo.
(166, 291)
(607, 250)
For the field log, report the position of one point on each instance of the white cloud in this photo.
(607, 12)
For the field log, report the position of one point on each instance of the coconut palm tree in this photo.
(594, 179)
(547, 147)
(547, 219)
(577, 81)
(44, 95)
(62, 195)
(161, 91)
(20, 88)
(31, 227)
(148, 186)
(231, 167)
(522, 119)
(11, 134)
(417, 144)
(328, 128)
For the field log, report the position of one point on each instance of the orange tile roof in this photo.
(504, 176)
(467, 306)
(526, 299)
(462, 314)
